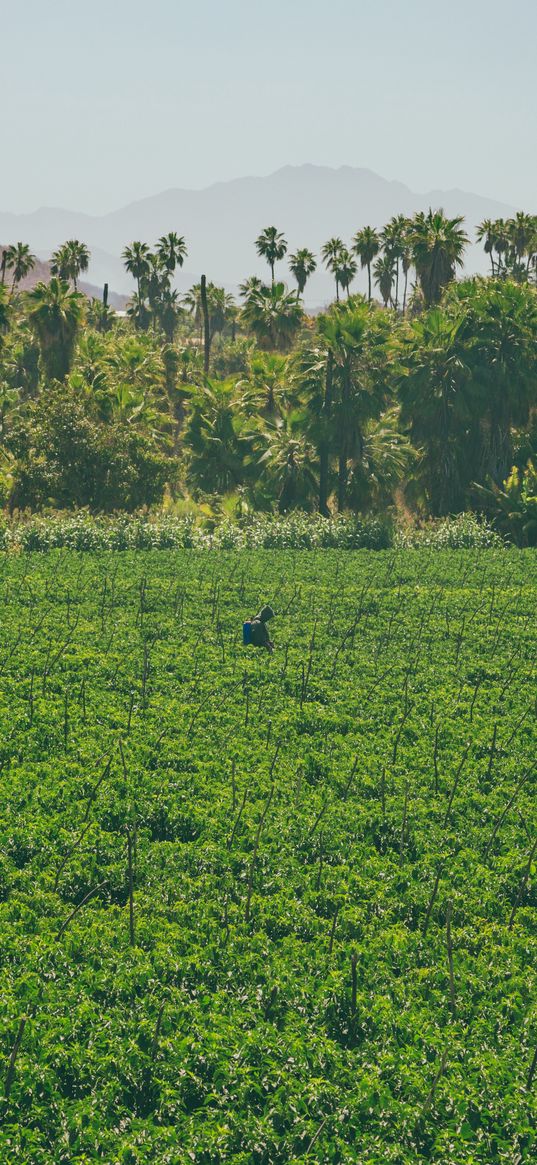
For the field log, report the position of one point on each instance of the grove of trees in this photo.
(419, 398)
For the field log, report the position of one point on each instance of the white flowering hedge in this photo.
(83, 531)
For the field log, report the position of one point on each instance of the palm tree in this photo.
(138, 312)
(55, 315)
(499, 325)
(156, 283)
(274, 316)
(60, 263)
(437, 407)
(192, 303)
(172, 251)
(385, 460)
(216, 449)
(253, 283)
(100, 316)
(134, 361)
(486, 234)
(355, 336)
(136, 259)
(221, 308)
(406, 263)
(384, 271)
(167, 311)
(366, 245)
(70, 260)
(394, 239)
(80, 258)
(532, 247)
(330, 254)
(220, 305)
(20, 261)
(315, 374)
(271, 245)
(501, 245)
(302, 264)
(521, 232)
(266, 388)
(284, 456)
(4, 312)
(438, 245)
(345, 269)
(521, 229)
(3, 265)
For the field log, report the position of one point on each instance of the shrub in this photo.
(66, 460)
(298, 531)
(463, 532)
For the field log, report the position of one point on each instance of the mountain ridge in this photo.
(309, 203)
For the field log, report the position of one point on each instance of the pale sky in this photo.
(107, 101)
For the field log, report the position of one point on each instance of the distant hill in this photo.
(220, 223)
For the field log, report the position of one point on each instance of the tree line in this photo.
(424, 402)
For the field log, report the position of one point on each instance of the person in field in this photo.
(255, 630)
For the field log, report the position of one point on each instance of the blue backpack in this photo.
(247, 632)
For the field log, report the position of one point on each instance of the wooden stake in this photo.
(450, 958)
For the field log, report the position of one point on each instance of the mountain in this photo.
(220, 223)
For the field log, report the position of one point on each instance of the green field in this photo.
(310, 930)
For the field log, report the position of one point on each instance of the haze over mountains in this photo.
(220, 223)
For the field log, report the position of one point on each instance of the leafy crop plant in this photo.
(268, 909)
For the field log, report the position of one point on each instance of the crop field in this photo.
(268, 909)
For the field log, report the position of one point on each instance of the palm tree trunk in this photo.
(369, 282)
(272, 272)
(206, 331)
(324, 446)
(397, 284)
(343, 440)
(337, 290)
(404, 291)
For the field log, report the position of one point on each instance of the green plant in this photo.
(266, 908)
(513, 508)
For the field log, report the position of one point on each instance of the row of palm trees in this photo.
(431, 243)
(510, 243)
(68, 262)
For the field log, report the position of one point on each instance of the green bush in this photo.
(66, 460)
(463, 532)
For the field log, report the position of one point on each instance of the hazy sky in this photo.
(106, 101)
